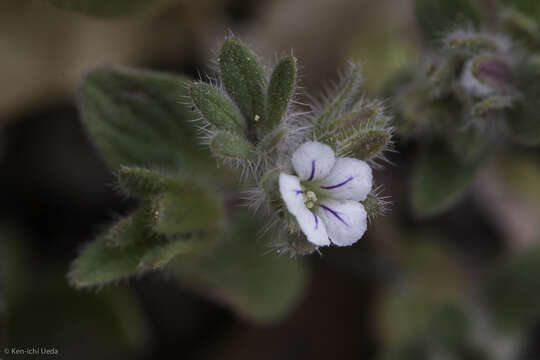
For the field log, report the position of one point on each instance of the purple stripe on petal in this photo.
(316, 221)
(337, 185)
(312, 170)
(298, 192)
(335, 213)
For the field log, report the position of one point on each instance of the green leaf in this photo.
(441, 179)
(348, 93)
(514, 291)
(171, 206)
(435, 17)
(243, 78)
(523, 119)
(141, 182)
(231, 146)
(104, 8)
(104, 261)
(160, 256)
(367, 145)
(240, 273)
(188, 208)
(280, 91)
(137, 118)
(217, 109)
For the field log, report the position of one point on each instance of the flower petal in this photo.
(349, 179)
(291, 193)
(346, 221)
(313, 160)
(313, 227)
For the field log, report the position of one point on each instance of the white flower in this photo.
(324, 196)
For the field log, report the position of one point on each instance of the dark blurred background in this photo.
(56, 194)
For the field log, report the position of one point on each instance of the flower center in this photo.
(310, 199)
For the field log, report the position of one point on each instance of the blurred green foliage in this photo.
(524, 118)
(514, 291)
(441, 178)
(436, 17)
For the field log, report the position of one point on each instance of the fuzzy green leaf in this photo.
(231, 146)
(217, 109)
(103, 8)
(367, 145)
(241, 274)
(160, 256)
(280, 91)
(524, 118)
(104, 261)
(435, 17)
(137, 118)
(348, 93)
(141, 182)
(171, 206)
(189, 208)
(441, 179)
(243, 78)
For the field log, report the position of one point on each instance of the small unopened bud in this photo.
(463, 41)
(485, 75)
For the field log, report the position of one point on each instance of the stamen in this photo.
(310, 195)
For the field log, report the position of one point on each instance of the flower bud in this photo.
(485, 75)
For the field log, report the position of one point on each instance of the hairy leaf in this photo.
(243, 78)
(188, 208)
(217, 109)
(280, 91)
(137, 118)
(231, 146)
(103, 261)
(348, 92)
(240, 273)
